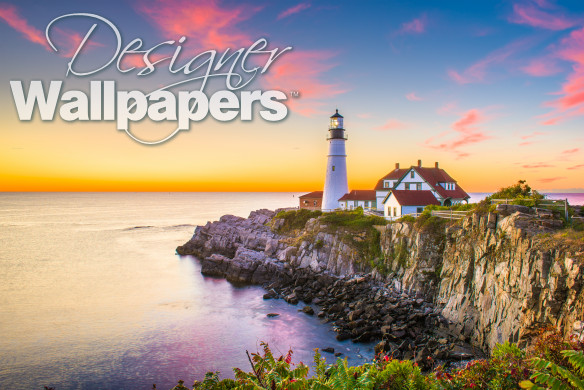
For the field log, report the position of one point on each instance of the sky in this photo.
(492, 90)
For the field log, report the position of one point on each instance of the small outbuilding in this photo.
(311, 201)
(401, 202)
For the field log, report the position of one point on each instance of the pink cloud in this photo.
(571, 151)
(571, 102)
(303, 71)
(211, 25)
(392, 124)
(529, 15)
(550, 179)
(468, 130)
(536, 166)
(477, 72)
(65, 40)
(533, 135)
(11, 16)
(293, 10)
(413, 97)
(541, 67)
(416, 26)
(576, 166)
(365, 115)
(447, 108)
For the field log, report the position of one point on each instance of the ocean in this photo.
(93, 296)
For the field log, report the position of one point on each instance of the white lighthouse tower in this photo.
(335, 182)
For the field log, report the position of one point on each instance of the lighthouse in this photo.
(335, 182)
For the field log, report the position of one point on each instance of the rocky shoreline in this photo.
(360, 306)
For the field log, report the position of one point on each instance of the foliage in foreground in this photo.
(549, 363)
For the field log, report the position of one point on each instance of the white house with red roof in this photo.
(417, 188)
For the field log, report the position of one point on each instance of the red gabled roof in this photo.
(396, 174)
(312, 195)
(437, 175)
(414, 198)
(359, 195)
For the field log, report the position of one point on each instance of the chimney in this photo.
(436, 164)
(396, 165)
(420, 163)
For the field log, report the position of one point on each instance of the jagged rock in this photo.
(272, 315)
(308, 310)
(329, 350)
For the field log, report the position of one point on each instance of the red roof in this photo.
(437, 175)
(312, 195)
(414, 198)
(396, 174)
(359, 195)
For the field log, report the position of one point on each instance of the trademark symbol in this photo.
(295, 94)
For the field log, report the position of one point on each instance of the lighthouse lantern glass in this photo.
(336, 123)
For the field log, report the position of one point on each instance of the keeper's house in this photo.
(416, 188)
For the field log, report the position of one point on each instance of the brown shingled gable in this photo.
(312, 195)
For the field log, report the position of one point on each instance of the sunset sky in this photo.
(493, 90)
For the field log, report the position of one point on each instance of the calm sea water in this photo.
(92, 295)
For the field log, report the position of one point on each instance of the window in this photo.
(420, 210)
(386, 184)
(315, 202)
(419, 186)
(395, 211)
(366, 203)
(333, 168)
(412, 174)
(305, 202)
(407, 186)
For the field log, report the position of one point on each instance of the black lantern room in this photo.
(336, 130)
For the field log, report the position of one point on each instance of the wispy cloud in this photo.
(477, 72)
(537, 165)
(551, 179)
(303, 71)
(65, 40)
(467, 132)
(416, 26)
(447, 108)
(10, 14)
(579, 166)
(570, 151)
(529, 139)
(293, 10)
(528, 14)
(571, 102)
(413, 97)
(542, 67)
(392, 124)
(213, 26)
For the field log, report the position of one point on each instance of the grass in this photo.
(294, 219)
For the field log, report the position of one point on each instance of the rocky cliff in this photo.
(430, 287)
(496, 277)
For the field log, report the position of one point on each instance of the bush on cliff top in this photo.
(295, 219)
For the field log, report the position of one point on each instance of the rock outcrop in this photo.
(483, 280)
(497, 277)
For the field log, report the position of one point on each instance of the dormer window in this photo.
(412, 174)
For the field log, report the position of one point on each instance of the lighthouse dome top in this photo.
(336, 114)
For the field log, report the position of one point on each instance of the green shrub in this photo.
(294, 219)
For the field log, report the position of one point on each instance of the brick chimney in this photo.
(420, 163)
(396, 165)
(436, 164)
